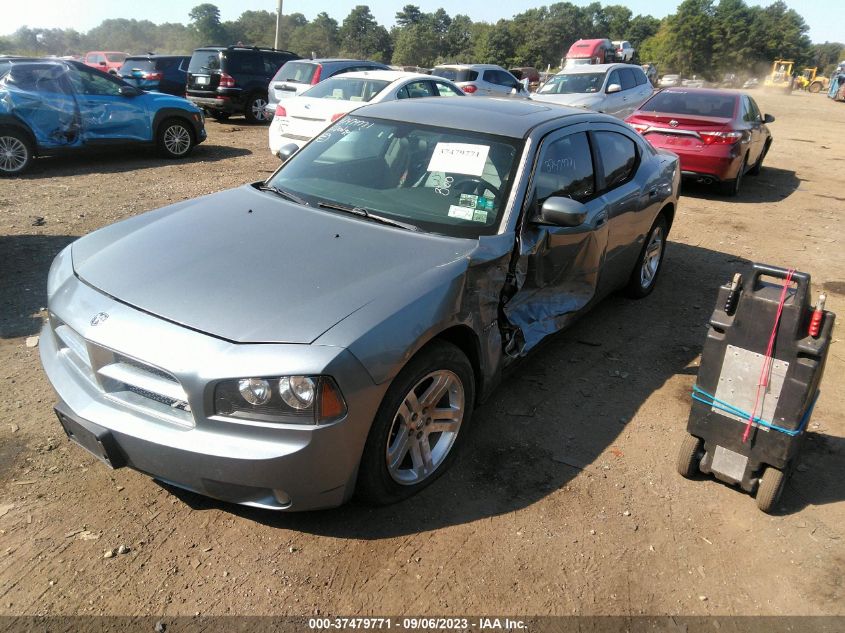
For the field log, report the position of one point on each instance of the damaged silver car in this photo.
(329, 331)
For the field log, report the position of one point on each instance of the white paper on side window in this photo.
(459, 158)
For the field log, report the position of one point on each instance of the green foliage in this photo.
(703, 37)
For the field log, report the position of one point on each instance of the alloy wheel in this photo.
(13, 154)
(177, 140)
(425, 427)
(651, 257)
(259, 112)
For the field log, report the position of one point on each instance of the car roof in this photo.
(334, 60)
(594, 68)
(152, 56)
(500, 116)
(479, 66)
(385, 75)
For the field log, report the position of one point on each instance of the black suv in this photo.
(226, 80)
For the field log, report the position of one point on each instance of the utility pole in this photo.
(278, 26)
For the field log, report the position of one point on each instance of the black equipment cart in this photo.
(758, 381)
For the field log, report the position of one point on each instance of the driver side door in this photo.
(105, 114)
(562, 264)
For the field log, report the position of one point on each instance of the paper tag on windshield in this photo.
(459, 158)
(462, 213)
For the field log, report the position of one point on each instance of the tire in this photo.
(175, 138)
(649, 263)
(815, 87)
(254, 110)
(754, 171)
(690, 456)
(395, 463)
(770, 489)
(731, 187)
(15, 152)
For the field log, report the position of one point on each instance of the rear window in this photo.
(135, 63)
(203, 61)
(691, 103)
(115, 57)
(347, 89)
(297, 72)
(455, 74)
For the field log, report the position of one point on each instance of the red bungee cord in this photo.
(766, 369)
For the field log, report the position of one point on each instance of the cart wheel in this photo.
(689, 456)
(771, 486)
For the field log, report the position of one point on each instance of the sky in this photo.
(824, 17)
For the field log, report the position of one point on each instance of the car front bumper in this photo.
(277, 466)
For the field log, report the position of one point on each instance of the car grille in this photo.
(124, 380)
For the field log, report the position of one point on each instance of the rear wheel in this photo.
(759, 164)
(689, 456)
(644, 276)
(15, 152)
(175, 138)
(419, 425)
(731, 187)
(220, 116)
(815, 87)
(770, 489)
(256, 109)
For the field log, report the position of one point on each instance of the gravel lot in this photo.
(514, 528)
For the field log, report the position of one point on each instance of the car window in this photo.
(614, 79)
(618, 157)
(639, 75)
(297, 72)
(573, 83)
(421, 88)
(347, 89)
(244, 63)
(115, 57)
(203, 61)
(752, 114)
(445, 90)
(41, 78)
(499, 77)
(628, 80)
(93, 83)
(565, 168)
(455, 74)
(137, 63)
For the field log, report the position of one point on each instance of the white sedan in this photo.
(616, 89)
(301, 118)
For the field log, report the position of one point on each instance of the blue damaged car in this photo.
(49, 107)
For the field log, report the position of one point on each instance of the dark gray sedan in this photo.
(329, 331)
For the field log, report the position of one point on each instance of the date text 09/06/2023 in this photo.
(411, 624)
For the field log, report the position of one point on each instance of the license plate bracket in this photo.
(93, 438)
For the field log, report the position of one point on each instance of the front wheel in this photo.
(419, 425)
(15, 152)
(770, 489)
(175, 138)
(256, 109)
(644, 276)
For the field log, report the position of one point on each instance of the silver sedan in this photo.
(329, 331)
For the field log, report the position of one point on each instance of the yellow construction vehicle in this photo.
(813, 82)
(781, 76)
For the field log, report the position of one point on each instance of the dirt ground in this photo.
(512, 528)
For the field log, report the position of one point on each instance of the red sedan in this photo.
(719, 135)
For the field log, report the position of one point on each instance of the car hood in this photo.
(157, 100)
(249, 267)
(577, 100)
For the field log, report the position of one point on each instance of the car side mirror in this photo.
(562, 211)
(614, 88)
(103, 64)
(286, 151)
(129, 91)
(768, 119)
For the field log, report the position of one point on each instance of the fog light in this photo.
(297, 391)
(255, 390)
(282, 497)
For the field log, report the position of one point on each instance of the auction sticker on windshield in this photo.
(459, 158)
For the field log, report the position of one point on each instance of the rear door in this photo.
(105, 114)
(563, 264)
(204, 72)
(752, 118)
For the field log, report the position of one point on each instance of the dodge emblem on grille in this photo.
(673, 123)
(99, 318)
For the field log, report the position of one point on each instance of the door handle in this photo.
(601, 220)
(653, 193)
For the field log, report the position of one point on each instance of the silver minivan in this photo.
(481, 79)
(616, 89)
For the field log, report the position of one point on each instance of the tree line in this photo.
(703, 37)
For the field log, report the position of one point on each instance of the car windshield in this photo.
(455, 74)
(578, 61)
(347, 89)
(580, 83)
(691, 103)
(203, 61)
(297, 72)
(131, 64)
(438, 179)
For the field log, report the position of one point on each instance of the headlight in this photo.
(285, 399)
(60, 271)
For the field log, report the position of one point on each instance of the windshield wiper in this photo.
(364, 213)
(284, 193)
